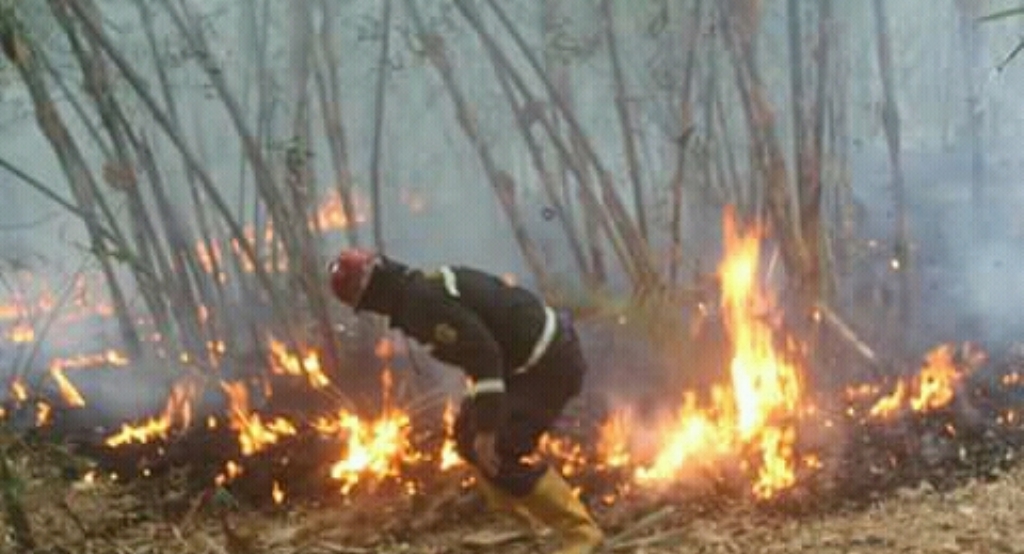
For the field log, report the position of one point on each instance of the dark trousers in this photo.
(534, 401)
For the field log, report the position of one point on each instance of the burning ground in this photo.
(764, 444)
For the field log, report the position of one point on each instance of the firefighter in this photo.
(523, 361)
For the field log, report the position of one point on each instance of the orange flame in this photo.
(755, 413)
(12, 310)
(375, 449)
(933, 388)
(43, 413)
(232, 471)
(449, 453)
(937, 382)
(84, 361)
(68, 391)
(330, 214)
(284, 362)
(19, 391)
(253, 434)
(21, 333)
(613, 444)
(177, 410)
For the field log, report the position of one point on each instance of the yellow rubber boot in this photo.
(503, 502)
(553, 503)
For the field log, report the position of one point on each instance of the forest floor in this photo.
(96, 516)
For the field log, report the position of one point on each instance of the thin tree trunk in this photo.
(971, 37)
(814, 230)
(555, 66)
(169, 128)
(22, 55)
(740, 21)
(808, 183)
(120, 174)
(301, 181)
(524, 121)
(264, 122)
(206, 283)
(116, 234)
(686, 128)
(744, 196)
(502, 183)
(891, 122)
(622, 108)
(272, 197)
(329, 89)
(591, 204)
(76, 105)
(383, 64)
(645, 274)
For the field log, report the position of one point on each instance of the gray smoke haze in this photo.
(970, 285)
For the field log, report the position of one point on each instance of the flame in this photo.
(84, 361)
(67, 390)
(933, 388)
(12, 310)
(696, 435)
(376, 449)
(177, 410)
(890, 404)
(565, 453)
(330, 214)
(232, 471)
(936, 384)
(209, 256)
(43, 413)
(384, 349)
(754, 414)
(284, 362)
(19, 391)
(277, 493)
(253, 434)
(613, 442)
(449, 452)
(21, 333)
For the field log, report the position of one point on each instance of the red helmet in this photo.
(350, 273)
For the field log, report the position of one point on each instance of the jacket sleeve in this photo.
(459, 337)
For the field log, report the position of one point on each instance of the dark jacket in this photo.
(466, 318)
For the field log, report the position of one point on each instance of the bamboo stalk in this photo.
(330, 100)
(645, 272)
(383, 63)
(140, 88)
(622, 109)
(546, 179)
(685, 118)
(593, 213)
(502, 183)
(22, 55)
(891, 123)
